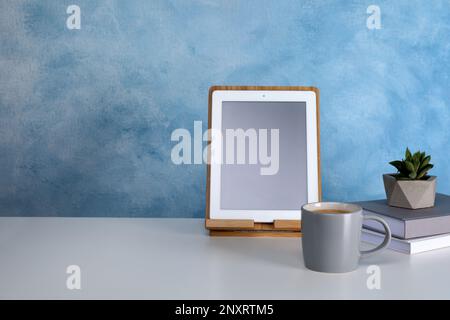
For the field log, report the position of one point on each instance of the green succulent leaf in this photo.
(416, 159)
(397, 164)
(413, 175)
(407, 154)
(409, 166)
(424, 171)
(425, 161)
(416, 164)
(422, 156)
(421, 175)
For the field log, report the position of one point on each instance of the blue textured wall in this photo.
(86, 115)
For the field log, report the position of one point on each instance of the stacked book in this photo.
(413, 231)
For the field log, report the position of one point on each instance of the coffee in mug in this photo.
(332, 211)
(331, 234)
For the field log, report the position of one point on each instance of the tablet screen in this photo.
(270, 178)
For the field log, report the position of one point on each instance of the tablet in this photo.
(264, 153)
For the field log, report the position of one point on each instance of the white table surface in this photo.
(176, 259)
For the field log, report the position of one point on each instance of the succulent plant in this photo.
(413, 167)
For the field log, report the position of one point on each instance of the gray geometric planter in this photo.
(411, 194)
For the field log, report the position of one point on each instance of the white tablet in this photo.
(264, 159)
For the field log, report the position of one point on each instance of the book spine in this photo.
(427, 227)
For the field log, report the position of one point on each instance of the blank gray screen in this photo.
(242, 185)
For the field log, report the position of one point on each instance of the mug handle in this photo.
(387, 237)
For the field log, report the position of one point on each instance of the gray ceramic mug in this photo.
(331, 234)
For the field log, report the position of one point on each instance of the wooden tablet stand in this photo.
(250, 228)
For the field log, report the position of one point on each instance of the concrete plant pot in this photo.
(411, 194)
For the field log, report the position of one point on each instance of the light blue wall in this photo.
(86, 115)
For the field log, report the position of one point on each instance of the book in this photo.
(411, 246)
(408, 223)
